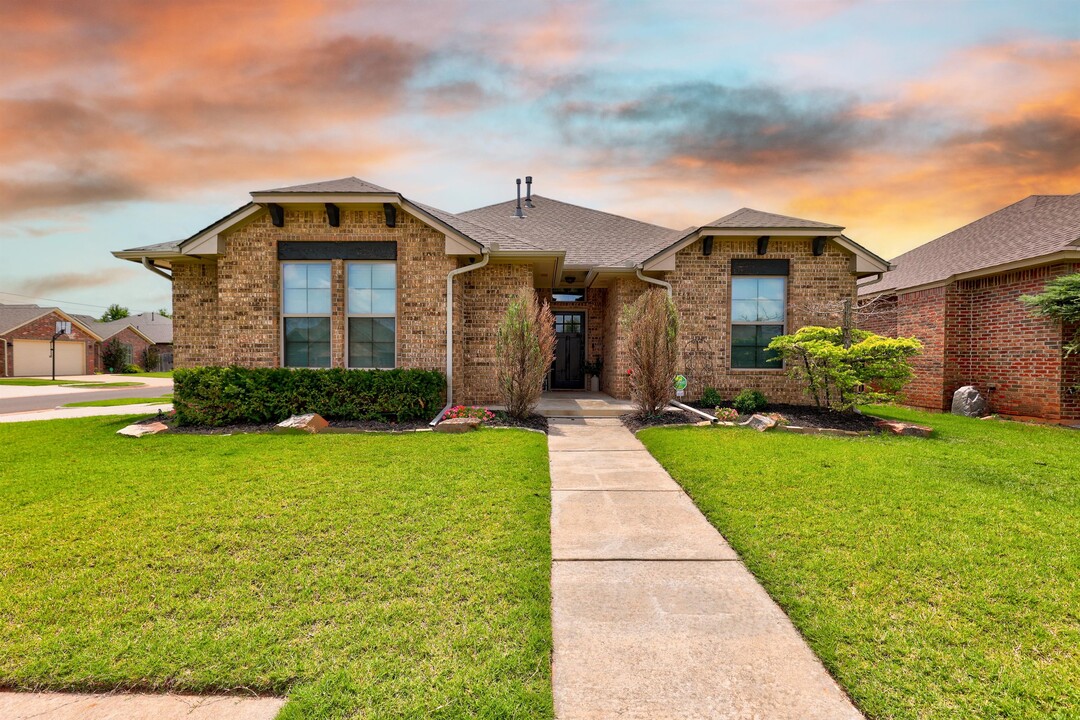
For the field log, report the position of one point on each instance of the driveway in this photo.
(22, 398)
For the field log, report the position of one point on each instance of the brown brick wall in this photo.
(701, 287)
(622, 291)
(485, 295)
(229, 313)
(977, 332)
(196, 331)
(43, 329)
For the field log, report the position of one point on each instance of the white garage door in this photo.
(32, 358)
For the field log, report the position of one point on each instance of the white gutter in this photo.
(149, 265)
(654, 281)
(450, 331)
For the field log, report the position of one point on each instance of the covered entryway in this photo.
(568, 372)
(31, 358)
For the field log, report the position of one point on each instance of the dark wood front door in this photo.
(569, 370)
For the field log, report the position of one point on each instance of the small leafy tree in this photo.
(151, 358)
(1060, 300)
(164, 313)
(114, 356)
(115, 312)
(525, 348)
(872, 369)
(651, 324)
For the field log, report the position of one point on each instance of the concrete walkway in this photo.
(653, 614)
(70, 706)
(67, 413)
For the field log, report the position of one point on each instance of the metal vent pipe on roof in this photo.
(528, 192)
(519, 212)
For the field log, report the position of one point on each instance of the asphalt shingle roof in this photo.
(13, 316)
(589, 237)
(750, 218)
(152, 325)
(341, 185)
(1036, 226)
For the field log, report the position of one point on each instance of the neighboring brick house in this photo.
(349, 274)
(960, 295)
(26, 333)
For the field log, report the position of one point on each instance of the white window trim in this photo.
(282, 314)
(733, 323)
(348, 315)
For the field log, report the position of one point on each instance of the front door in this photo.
(569, 370)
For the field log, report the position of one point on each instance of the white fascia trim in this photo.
(197, 240)
(434, 222)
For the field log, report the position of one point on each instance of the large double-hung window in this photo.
(305, 309)
(757, 316)
(372, 308)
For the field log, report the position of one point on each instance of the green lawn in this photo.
(370, 576)
(35, 382)
(935, 578)
(121, 401)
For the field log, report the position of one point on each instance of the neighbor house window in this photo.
(305, 309)
(757, 316)
(372, 310)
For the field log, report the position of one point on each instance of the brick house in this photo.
(345, 273)
(26, 333)
(959, 294)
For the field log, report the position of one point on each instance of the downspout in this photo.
(149, 265)
(877, 278)
(450, 331)
(654, 281)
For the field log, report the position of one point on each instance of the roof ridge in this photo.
(579, 207)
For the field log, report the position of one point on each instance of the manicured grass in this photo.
(31, 382)
(121, 401)
(935, 577)
(371, 576)
(34, 382)
(161, 374)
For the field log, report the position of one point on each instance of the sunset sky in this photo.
(129, 122)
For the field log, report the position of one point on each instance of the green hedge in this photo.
(219, 396)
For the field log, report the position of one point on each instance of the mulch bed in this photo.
(636, 422)
(534, 422)
(798, 415)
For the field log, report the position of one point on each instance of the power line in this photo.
(65, 302)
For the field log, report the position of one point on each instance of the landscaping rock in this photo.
(969, 402)
(458, 425)
(310, 423)
(136, 431)
(902, 428)
(761, 423)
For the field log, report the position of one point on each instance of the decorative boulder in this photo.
(969, 402)
(137, 431)
(761, 423)
(902, 428)
(310, 423)
(458, 425)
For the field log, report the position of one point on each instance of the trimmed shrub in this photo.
(217, 396)
(873, 369)
(651, 324)
(711, 397)
(524, 349)
(749, 401)
(113, 356)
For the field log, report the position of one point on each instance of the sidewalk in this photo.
(73, 706)
(653, 614)
(66, 413)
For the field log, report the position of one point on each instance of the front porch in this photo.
(581, 404)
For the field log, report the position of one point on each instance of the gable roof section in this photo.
(154, 331)
(1036, 227)
(350, 184)
(746, 218)
(590, 238)
(13, 317)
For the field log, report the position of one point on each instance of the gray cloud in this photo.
(58, 283)
(1038, 144)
